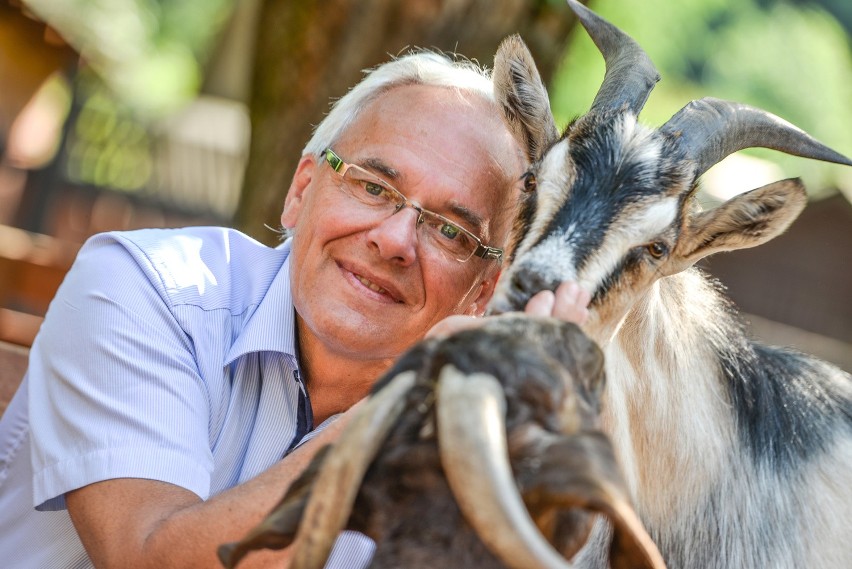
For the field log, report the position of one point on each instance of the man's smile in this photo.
(375, 284)
(370, 285)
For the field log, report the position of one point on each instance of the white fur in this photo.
(673, 431)
(639, 145)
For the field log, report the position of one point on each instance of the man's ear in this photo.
(295, 195)
(486, 291)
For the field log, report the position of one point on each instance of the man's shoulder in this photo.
(206, 265)
(186, 238)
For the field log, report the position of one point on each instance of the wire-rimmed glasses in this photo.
(436, 230)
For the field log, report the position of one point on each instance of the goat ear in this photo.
(523, 97)
(748, 220)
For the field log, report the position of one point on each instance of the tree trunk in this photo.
(309, 53)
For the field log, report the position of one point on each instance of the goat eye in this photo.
(529, 182)
(656, 249)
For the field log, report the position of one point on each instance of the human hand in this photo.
(569, 303)
(452, 324)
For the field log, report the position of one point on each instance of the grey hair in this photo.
(419, 67)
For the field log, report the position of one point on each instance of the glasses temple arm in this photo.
(487, 252)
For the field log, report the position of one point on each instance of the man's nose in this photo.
(395, 237)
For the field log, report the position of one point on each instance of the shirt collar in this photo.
(272, 325)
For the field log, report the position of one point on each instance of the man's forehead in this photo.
(430, 110)
(448, 107)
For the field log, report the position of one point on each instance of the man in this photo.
(178, 371)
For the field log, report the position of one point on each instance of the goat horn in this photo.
(630, 74)
(710, 129)
(633, 540)
(340, 476)
(472, 443)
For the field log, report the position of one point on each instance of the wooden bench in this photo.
(13, 364)
(32, 267)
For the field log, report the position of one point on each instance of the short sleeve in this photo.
(115, 390)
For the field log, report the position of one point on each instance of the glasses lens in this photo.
(370, 190)
(442, 234)
(436, 232)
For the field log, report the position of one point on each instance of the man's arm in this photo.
(121, 424)
(132, 523)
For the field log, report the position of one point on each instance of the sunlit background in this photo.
(790, 58)
(117, 114)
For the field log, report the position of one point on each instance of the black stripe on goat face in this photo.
(606, 192)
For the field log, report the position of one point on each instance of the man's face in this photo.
(368, 287)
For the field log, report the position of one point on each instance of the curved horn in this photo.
(340, 476)
(472, 443)
(278, 529)
(632, 543)
(580, 471)
(630, 74)
(710, 129)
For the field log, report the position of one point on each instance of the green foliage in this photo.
(107, 147)
(150, 52)
(793, 61)
(147, 57)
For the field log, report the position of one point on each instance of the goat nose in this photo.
(525, 284)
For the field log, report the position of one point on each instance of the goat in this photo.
(475, 450)
(736, 454)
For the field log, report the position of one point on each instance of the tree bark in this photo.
(309, 53)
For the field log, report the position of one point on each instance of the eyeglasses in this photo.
(438, 231)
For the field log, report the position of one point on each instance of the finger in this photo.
(541, 304)
(571, 303)
(452, 324)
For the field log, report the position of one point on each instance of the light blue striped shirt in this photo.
(168, 355)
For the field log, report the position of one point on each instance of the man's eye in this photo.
(373, 188)
(450, 231)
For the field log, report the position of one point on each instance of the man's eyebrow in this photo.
(379, 166)
(473, 221)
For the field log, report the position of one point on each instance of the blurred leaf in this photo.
(150, 52)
